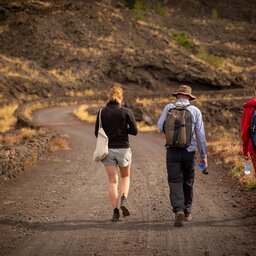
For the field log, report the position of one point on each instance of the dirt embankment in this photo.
(54, 47)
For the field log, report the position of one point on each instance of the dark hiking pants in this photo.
(180, 168)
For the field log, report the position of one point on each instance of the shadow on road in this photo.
(126, 224)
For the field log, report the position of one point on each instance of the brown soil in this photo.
(53, 47)
(61, 207)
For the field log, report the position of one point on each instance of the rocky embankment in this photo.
(51, 49)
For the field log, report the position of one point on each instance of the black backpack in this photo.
(253, 128)
(178, 127)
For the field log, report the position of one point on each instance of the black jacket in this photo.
(117, 123)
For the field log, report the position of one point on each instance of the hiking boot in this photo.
(116, 215)
(188, 217)
(124, 206)
(179, 217)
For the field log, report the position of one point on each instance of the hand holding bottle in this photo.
(203, 168)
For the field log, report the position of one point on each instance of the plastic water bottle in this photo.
(247, 167)
(202, 167)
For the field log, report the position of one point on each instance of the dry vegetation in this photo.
(227, 151)
(82, 114)
(7, 118)
(59, 143)
(84, 93)
(14, 138)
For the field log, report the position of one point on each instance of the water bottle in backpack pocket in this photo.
(247, 167)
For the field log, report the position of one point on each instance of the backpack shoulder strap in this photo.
(100, 123)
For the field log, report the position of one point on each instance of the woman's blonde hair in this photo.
(115, 93)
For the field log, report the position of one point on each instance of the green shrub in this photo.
(182, 39)
(140, 8)
(214, 14)
(211, 59)
(251, 186)
(160, 10)
(140, 5)
(237, 171)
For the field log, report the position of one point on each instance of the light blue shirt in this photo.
(197, 127)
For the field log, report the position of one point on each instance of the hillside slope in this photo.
(49, 48)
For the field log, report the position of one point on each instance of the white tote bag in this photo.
(101, 150)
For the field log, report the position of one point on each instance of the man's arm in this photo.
(200, 137)
(160, 123)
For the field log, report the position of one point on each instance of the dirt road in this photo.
(61, 206)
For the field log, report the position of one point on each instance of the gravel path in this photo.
(61, 206)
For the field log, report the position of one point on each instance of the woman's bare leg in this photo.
(112, 185)
(125, 179)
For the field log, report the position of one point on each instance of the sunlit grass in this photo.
(82, 114)
(85, 93)
(7, 118)
(14, 138)
(4, 28)
(43, 3)
(210, 59)
(59, 143)
(143, 127)
(18, 67)
(35, 106)
(146, 102)
(27, 97)
(227, 150)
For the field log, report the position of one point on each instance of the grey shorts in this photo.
(118, 156)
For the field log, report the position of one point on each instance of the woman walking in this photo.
(117, 122)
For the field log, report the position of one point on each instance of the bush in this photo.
(140, 8)
(214, 14)
(160, 10)
(182, 39)
(211, 59)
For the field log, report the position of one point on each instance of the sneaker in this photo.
(188, 217)
(124, 206)
(116, 215)
(179, 217)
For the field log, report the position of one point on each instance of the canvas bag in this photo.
(178, 127)
(101, 150)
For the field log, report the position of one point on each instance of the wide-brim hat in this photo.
(185, 90)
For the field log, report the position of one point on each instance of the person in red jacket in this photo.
(248, 148)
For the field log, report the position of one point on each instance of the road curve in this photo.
(61, 206)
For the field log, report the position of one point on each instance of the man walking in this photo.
(181, 142)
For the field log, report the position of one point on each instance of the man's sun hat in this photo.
(185, 90)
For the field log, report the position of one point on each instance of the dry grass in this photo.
(145, 102)
(82, 114)
(85, 93)
(33, 107)
(227, 149)
(12, 139)
(143, 127)
(7, 118)
(59, 143)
